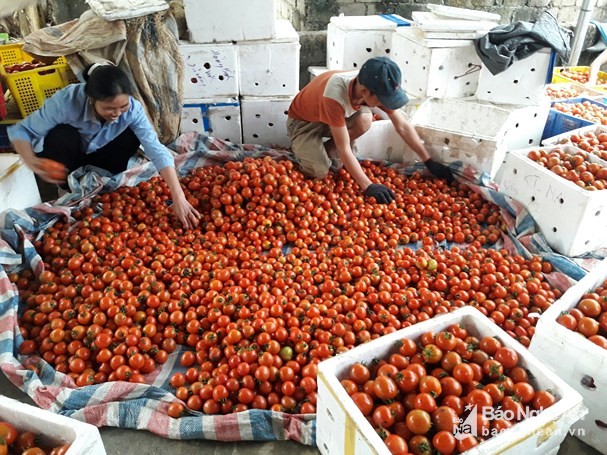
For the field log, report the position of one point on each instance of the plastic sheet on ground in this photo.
(138, 406)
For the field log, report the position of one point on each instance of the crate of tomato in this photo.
(571, 338)
(32, 81)
(24, 427)
(564, 74)
(574, 113)
(592, 139)
(564, 190)
(567, 90)
(453, 383)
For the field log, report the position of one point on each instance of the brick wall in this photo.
(312, 15)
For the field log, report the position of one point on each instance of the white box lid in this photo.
(432, 23)
(463, 13)
(9, 162)
(285, 33)
(363, 23)
(417, 35)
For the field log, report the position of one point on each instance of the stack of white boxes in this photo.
(451, 94)
(241, 73)
(351, 41)
(473, 118)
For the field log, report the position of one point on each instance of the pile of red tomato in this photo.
(563, 92)
(589, 142)
(572, 166)
(419, 396)
(15, 442)
(589, 317)
(24, 66)
(125, 285)
(585, 110)
(580, 76)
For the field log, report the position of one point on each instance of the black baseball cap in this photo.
(383, 77)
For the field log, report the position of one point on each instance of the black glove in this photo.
(381, 193)
(439, 170)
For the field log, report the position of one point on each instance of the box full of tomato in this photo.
(574, 113)
(567, 90)
(571, 338)
(455, 383)
(591, 138)
(564, 74)
(24, 427)
(563, 188)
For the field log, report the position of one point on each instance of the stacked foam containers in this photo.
(576, 360)
(470, 116)
(351, 41)
(240, 77)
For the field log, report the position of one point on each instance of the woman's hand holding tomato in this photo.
(49, 170)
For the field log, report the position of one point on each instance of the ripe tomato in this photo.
(359, 373)
(444, 442)
(507, 357)
(8, 433)
(418, 421)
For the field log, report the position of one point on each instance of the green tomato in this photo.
(286, 353)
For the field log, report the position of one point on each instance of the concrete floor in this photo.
(133, 442)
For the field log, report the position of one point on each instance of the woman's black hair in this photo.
(105, 82)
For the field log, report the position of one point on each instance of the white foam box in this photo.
(218, 118)
(445, 68)
(83, 437)
(475, 133)
(264, 120)
(431, 22)
(211, 70)
(316, 71)
(18, 188)
(342, 429)
(579, 362)
(235, 20)
(352, 40)
(270, 67)
(565, 138)
(572, 219)
(522, 83)
(382, 143)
